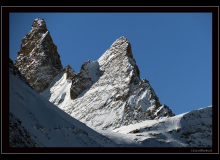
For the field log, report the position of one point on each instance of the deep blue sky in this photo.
(173, 50)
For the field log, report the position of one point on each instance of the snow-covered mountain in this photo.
(38, 59)
(108, 93)
(106, 104)
(35, 122)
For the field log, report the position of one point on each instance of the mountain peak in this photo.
(122, 45)
(108, 93)
(122, 38)
(38, 59)
(39, 24)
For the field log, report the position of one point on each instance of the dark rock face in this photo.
(38, 59)
(70, 73)
(88, 75)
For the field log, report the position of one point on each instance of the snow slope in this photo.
(35, 122)
(60, 89)
(191, 129)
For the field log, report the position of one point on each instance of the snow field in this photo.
(184, 130)
(48, 125)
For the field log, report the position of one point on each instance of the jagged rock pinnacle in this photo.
(38, 59)
(70, 73)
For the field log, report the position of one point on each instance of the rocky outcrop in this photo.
(70, 73)
(88, 75)
(38, 59)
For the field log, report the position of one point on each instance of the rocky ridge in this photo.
(38, 59)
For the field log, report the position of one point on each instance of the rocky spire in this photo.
(38, 59)
(70, 73)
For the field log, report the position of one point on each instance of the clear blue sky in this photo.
(173, 50)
